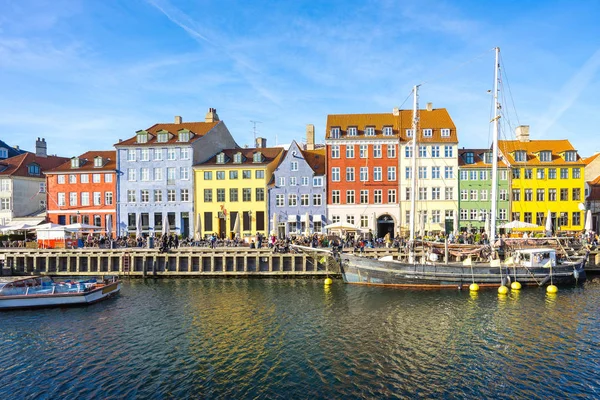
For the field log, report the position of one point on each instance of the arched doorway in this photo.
(385, 224)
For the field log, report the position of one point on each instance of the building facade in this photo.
(23, 185)
(475, 189)
(297, 192)
(156, 179)
(547, 176)
(83, 190)
(233, 184)
(592, 189)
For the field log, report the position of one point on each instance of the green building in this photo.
(475, 189)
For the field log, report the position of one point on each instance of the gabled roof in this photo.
(269, 155)
(594, 193)
(588, 160)
(477, 158)
(316, 159)
(18, 165)
(198, 129)
(11, 150)
(436, 119)
(557, 147)
(109, 158)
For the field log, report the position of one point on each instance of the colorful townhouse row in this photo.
(194, 177)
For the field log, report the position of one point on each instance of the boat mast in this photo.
(496, 121)
(413, 194)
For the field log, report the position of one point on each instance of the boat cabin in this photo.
(536, 258)
(24, 286)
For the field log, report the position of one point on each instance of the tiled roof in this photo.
(18, 165)
(11, 150)
(316, 159)
(477, 158)
(269, 155)
(588, 160)
(86, 160)
(198, 128)
(508, 147)
(436, 119)
(594, 193)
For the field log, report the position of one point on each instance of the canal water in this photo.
(298, 339)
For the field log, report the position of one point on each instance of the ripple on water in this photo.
(296, 339)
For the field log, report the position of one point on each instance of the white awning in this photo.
(292, 218)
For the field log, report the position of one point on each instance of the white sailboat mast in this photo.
(496, 121)
(413, 192)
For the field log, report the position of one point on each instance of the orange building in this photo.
(84, 190)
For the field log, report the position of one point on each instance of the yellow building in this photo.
(233, 184)
(547, 176)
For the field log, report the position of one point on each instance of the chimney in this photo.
(40, 147)
(396, 111)
(429, 106)
(261, 143)
(522, 133)
(211, 115)
(310, 137)
(178, 119)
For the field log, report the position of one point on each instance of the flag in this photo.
(323, 260)
(548, 264)
(467, 261)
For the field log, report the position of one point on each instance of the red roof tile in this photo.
(533, 147)
(18, 165)
(198, 128)
(588, 160)
(316, 159)
(269, 155)
(87, 162)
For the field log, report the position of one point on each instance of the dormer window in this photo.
(142, 137)
(184, 136)
(162, 137)
(520, 156)
(427, 132)
(33, 169)
(388, 131)
(545, 156)
(237, 158)
(570, 156)
(98, 162)
(335, 133)
(221, 158)
(370, 131)
(75, 162)
(469, 158)
(487, 158)
(3, 153)
(445, 132)
(409, 133)
(352, 131)
(257, 157)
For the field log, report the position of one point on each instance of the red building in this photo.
(84, 190)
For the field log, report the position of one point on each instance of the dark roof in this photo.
(17, 166)
(477, 159)
(269, 154)
(594, 193)
(87, 162)
(11, 150)
(198, 129)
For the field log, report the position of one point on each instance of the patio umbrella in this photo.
(17, 227)
(588, 221)
(236, 226)
(342, 225)
(109, 225)
(138, 225)
(422, 224)
(486, 225)
(198, 230)
(166, 229)
(549, 224)
(307, 224)
(455, 224)
(274, 230)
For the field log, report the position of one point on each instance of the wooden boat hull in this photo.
(368, 271)
(60, 299)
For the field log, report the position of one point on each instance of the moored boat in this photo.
(43, 291)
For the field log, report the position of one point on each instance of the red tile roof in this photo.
(269, 155)
(198, 128)
(508, 147)
(594, 193)
(316, 159)
(477, 158)
(87, 162)
(18, 165)
(436, 119)
(588, 160)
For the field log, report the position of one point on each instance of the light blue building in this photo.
(297, 193)
(155, 177)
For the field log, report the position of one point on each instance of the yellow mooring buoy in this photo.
(473, 287)
(502, 290)
(551, 289)
(328, 281)
(515, 285)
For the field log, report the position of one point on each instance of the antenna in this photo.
(254, 129)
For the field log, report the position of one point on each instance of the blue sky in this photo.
(83, 74)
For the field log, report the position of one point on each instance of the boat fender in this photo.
(506, 281)
(576, 274)
(545, 280)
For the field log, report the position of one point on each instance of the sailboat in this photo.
(529, 267)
